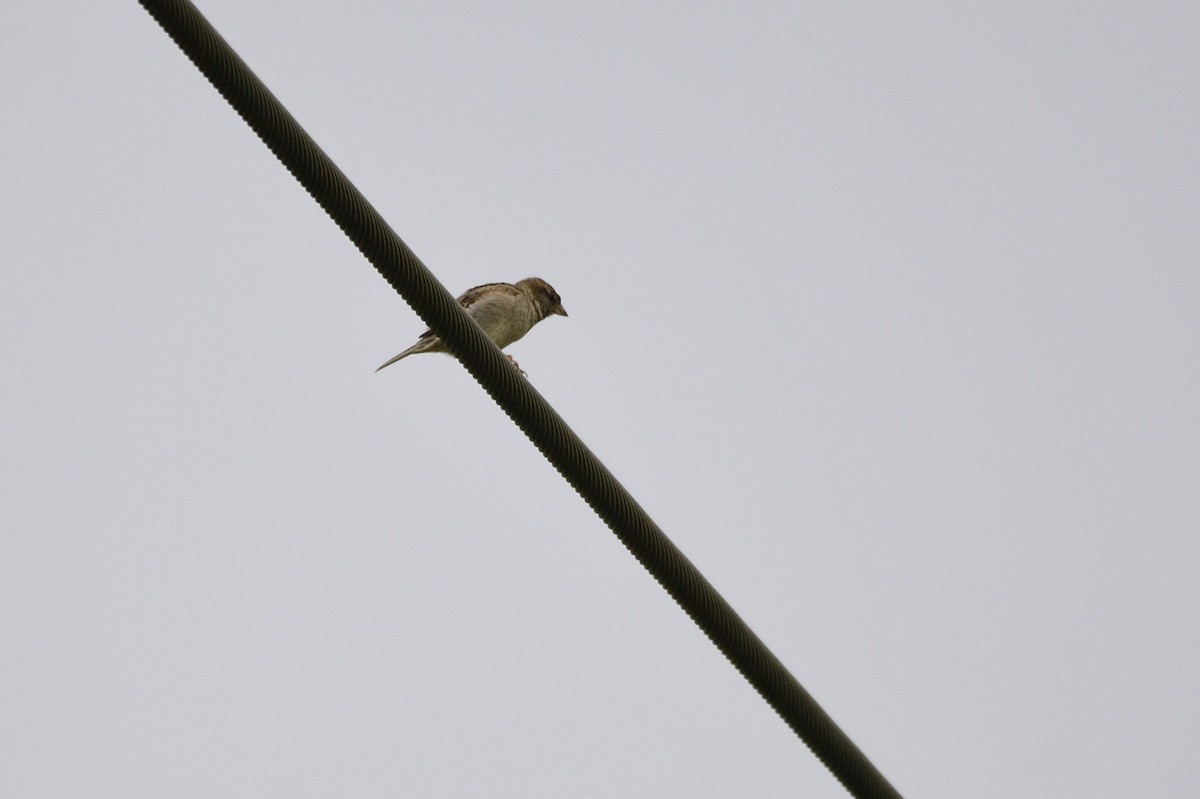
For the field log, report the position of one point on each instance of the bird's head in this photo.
(544, 296)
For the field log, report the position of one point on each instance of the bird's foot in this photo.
(514, 363)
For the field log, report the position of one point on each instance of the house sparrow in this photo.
(505, 311)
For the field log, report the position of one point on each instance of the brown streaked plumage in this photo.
(505, 311)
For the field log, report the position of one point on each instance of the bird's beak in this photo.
(559, 310)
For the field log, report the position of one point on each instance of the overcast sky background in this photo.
(887, 314)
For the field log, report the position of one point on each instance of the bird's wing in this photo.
(474, 295)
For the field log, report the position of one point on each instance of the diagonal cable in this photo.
(523, 404)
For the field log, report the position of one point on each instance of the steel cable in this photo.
(515, 395)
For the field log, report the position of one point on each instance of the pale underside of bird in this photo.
(505, 311)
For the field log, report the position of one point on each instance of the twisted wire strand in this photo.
(334, 192)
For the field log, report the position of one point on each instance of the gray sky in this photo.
(888, 315)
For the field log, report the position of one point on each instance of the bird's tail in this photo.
(395, 358)
(426, 343)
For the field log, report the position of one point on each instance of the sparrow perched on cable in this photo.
(505, 311)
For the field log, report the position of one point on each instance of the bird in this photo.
(505, 311)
